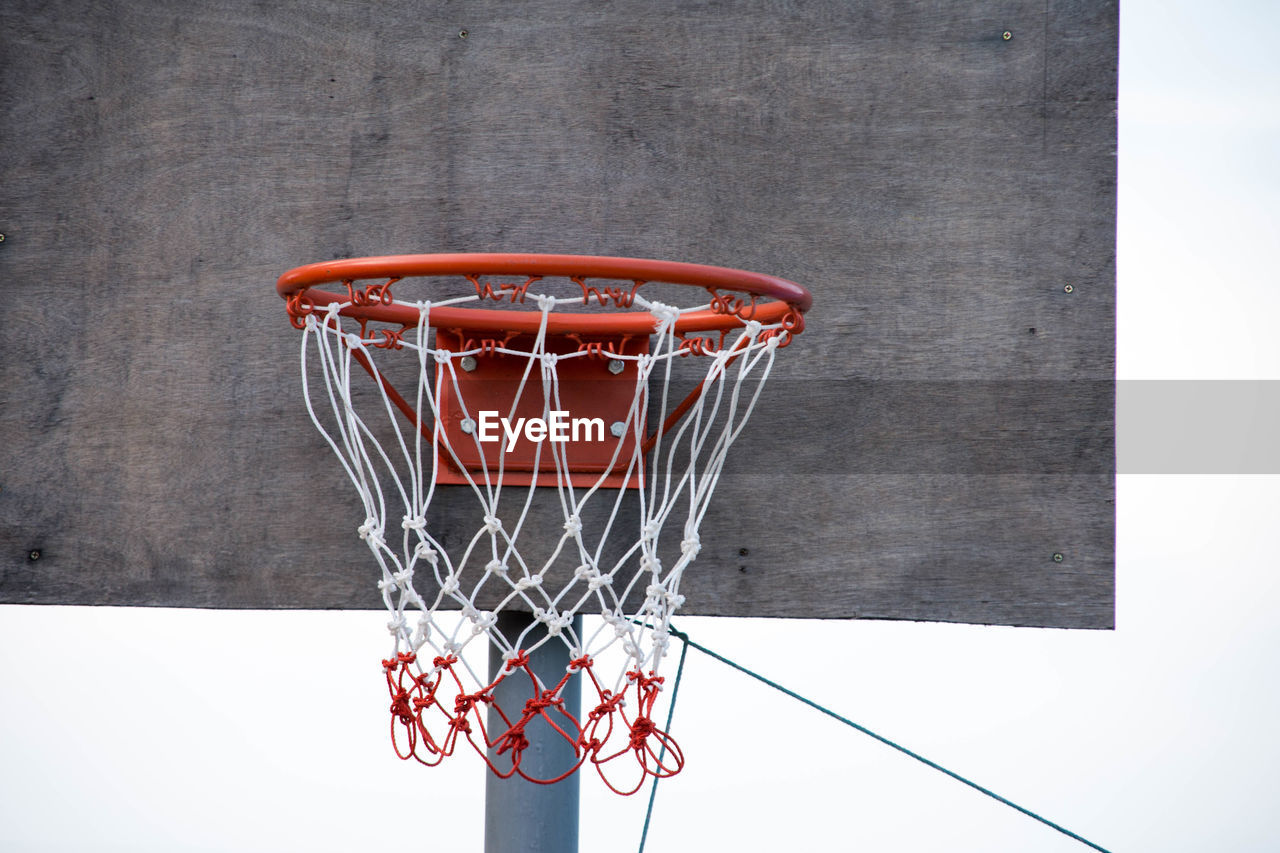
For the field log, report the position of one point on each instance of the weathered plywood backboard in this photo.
(938, 445)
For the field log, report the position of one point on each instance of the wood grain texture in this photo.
(944, 427)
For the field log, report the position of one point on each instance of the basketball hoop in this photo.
(509, 390)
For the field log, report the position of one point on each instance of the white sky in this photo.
(1157, 736)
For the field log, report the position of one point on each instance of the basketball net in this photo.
(395, 448)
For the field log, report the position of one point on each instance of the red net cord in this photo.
(431, 712)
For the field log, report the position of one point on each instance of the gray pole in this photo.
(519, 815)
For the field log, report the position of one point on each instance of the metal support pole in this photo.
(521, 816)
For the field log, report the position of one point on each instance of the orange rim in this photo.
(787, 300)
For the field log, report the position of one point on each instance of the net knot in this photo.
(492, 524)
(464, 702)
(641, 728)
(647, 683)
(665, 315)
(549, 360)
(540, 703)
(395, 626)
(516, 659)
(753, 328)
(403, 577)
(483, 619)
(450, 585)
(400, 708)
(426, 552)
(513, 740)
(353, 341)
(369, 531)
(598, 580)
(546, 303)
(573, 525)
(658, 595)
(609, 702)
(496, 566)
(691, 546)
(650, 563)
(580, 662)
(652, 528)
(414, 522)
(525, 583)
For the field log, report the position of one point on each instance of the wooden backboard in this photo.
(938, 445)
